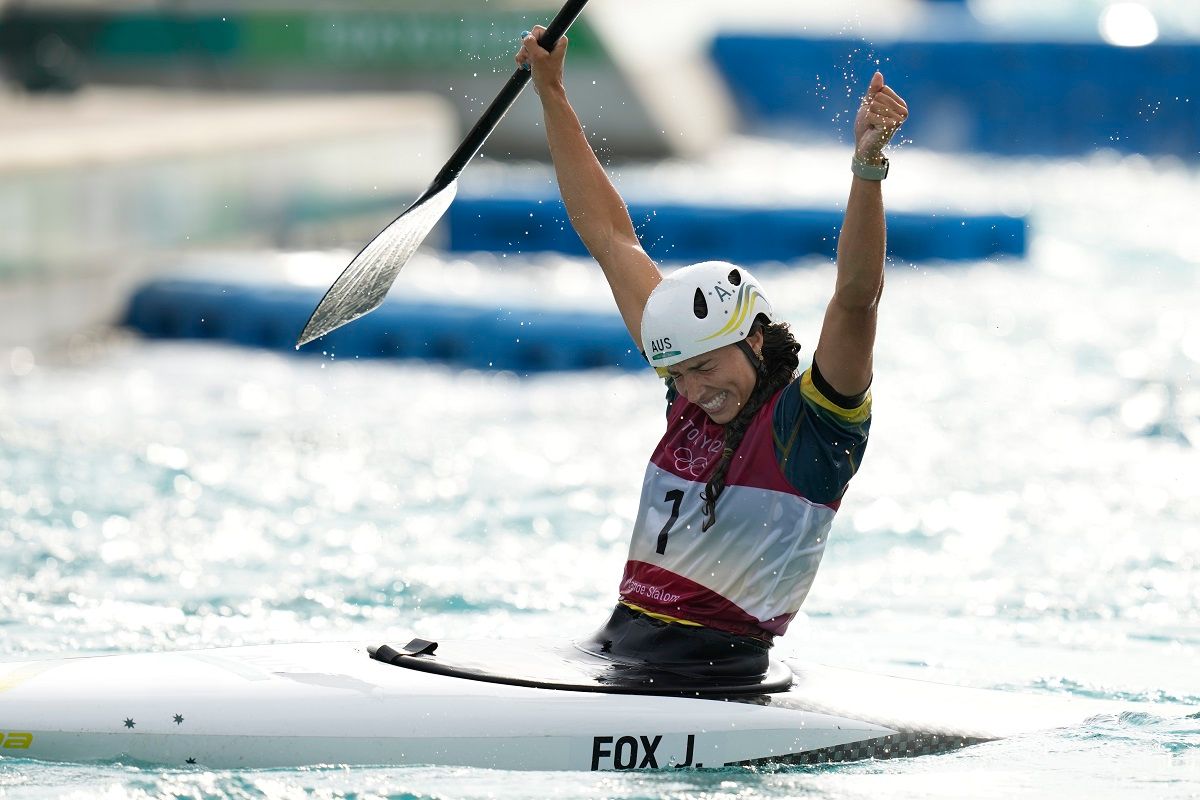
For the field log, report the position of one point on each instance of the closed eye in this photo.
(704, 369)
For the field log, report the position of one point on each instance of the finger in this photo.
(876, 83)
(531, 53)
(886, 99)
(561, 44)
(522, 55)
(881, 104)
(884, 123)
(537, 33)
(890, 93)
(882, 100)
(876, 120)
(529, 41)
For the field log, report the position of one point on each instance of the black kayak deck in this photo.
(567, 667)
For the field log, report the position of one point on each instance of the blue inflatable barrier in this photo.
(1011, 97)
(524, 341)
(672, 232)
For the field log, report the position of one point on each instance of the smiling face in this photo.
(720, 381)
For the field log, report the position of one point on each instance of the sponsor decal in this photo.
(639, 752)
(662, 348)
(15, 740)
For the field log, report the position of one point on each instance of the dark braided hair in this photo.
(775, 369)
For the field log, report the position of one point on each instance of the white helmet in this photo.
(699, 309)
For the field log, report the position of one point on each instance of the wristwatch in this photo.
(868, 171)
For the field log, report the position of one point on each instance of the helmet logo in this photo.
(661, 348)
(722, 292)
(744, 311)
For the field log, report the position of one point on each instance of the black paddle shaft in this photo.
(508, 95)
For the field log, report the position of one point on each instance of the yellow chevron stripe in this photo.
(742, 309)
(851, 415)
(16, 677)
(663, 617)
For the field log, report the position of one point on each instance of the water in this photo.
(1025, 517)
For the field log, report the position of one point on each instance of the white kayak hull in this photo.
(307, 704)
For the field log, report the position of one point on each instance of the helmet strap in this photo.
(760, 367)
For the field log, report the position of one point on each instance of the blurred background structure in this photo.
(134, 131)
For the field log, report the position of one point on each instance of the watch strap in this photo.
(868, 171)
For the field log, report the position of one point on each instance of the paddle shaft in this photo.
(361, 286)
(508, 95)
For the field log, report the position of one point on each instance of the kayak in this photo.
(505, 705)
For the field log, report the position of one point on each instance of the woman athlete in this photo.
(740, 493)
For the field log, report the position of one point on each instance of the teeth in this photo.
(715, 403)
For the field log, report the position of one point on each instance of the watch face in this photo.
(870, 172)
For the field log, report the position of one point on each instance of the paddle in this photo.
(363, 284)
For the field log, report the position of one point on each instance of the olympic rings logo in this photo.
(686, 462)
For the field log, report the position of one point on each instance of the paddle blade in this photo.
(365, 282)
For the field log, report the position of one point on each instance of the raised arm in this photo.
(597, 212)
(844, 351)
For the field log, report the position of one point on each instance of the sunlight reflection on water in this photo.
(1025, 516)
